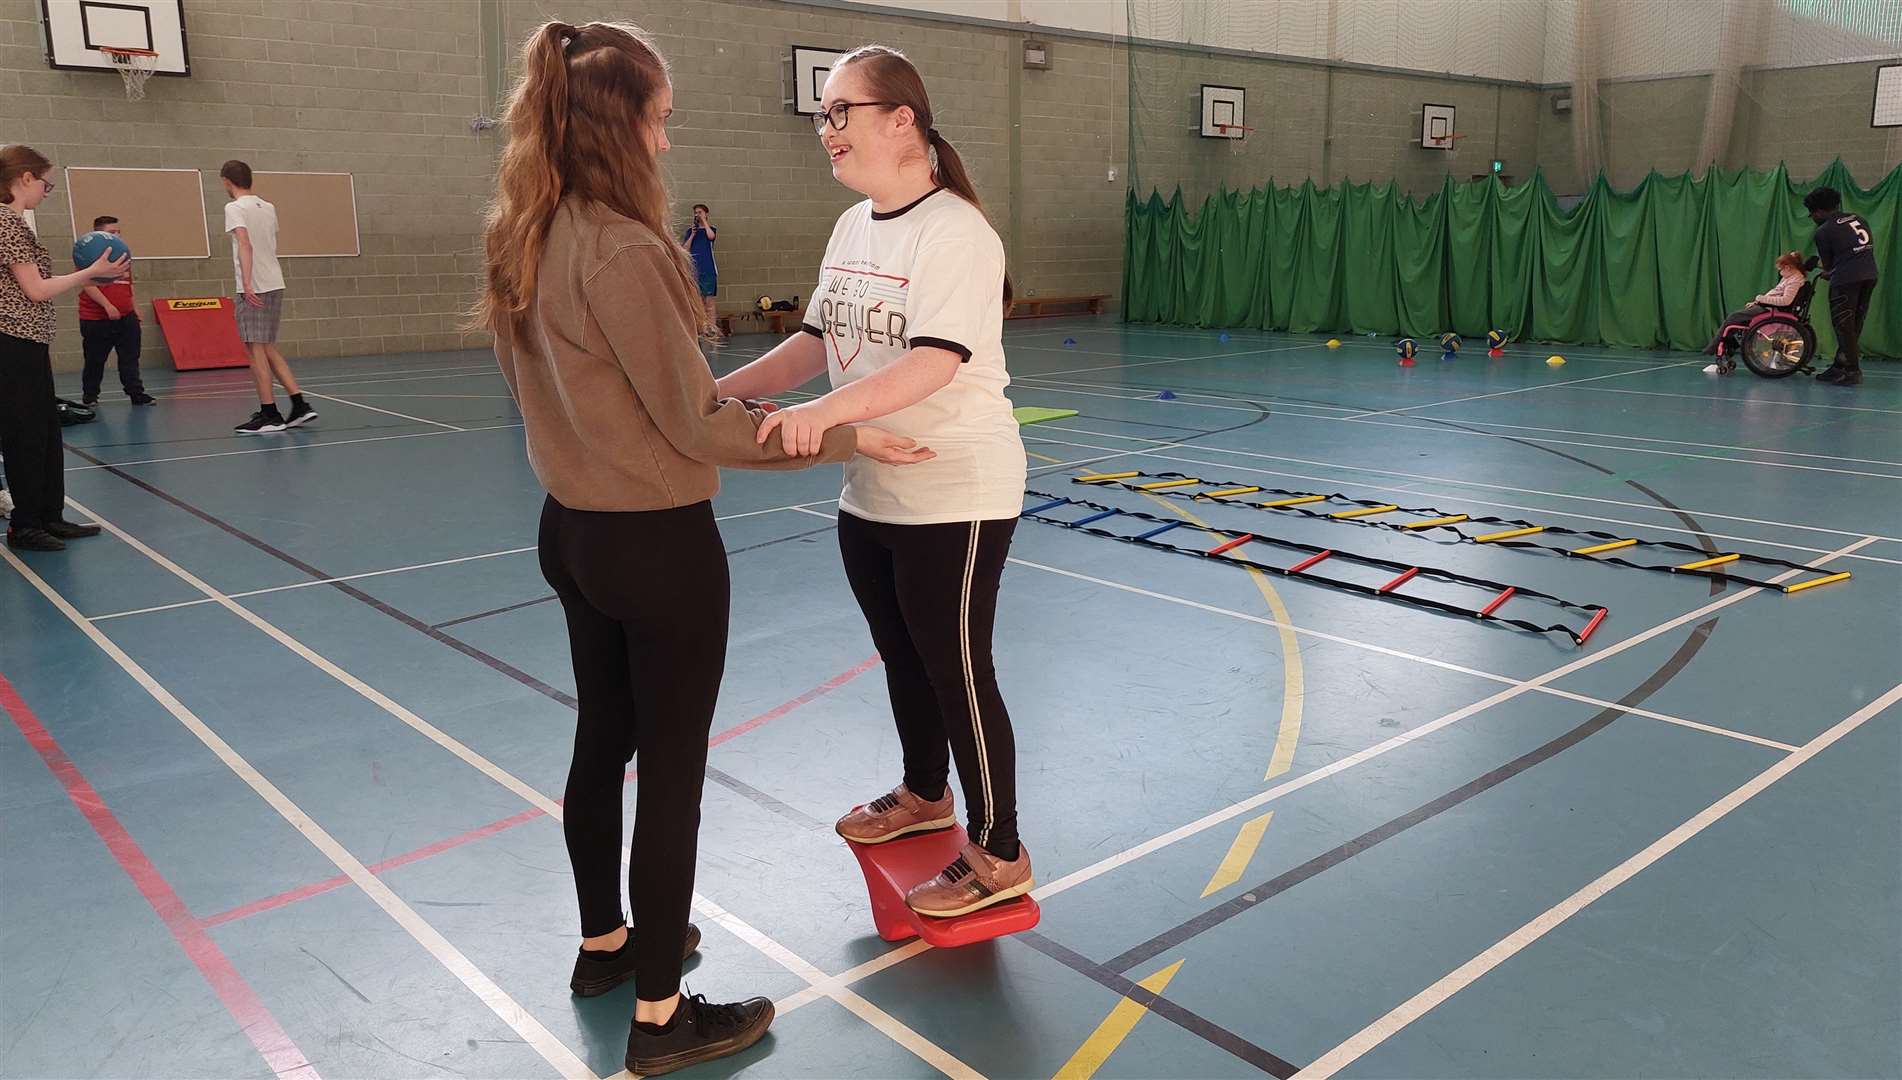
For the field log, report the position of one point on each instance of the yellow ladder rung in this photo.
(1226, 492)
(1702, 563)
(1819, 581)
(1292, 502)
(1508, 534)
(1449, 519)
(1100, 477)
(1160, 484)
(1596, 548)
(1365, 511)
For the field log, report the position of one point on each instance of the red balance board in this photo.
(891, 869)
(202, 332)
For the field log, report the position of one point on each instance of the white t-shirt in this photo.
(259, 219)
(929, 274)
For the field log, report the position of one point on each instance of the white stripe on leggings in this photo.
(970, 686)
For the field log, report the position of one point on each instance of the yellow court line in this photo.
(1293, 688)
(1235, 863)
(1114, 1029)
(1044, 457)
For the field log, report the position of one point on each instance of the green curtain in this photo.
(1654, 267)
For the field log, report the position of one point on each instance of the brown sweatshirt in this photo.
(617, 401)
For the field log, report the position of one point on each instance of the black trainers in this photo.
(1841, 376)
(699, 1032)
(143, 398)
(300, 415)
(66, 530)
(261, 423)
(33, 538)
(89, 402)
(596, 973)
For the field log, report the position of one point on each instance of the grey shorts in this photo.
(258, 325)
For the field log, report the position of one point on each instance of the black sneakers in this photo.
(33, 538)
(597, 972)
(143, 398)
(261, 423)
(699, 1031)
(1841, 376)
(300, 415)
(66, 530)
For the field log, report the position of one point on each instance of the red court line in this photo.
(318, 888)
(243, 1003)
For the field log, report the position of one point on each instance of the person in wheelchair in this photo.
(1793, 274)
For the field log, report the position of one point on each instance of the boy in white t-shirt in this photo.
(907, 321)
(252, 223)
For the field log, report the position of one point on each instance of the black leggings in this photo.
(29, 433)
(929, 594)
(1848, 307)
(646, 595)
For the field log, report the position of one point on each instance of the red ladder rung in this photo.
(1230, 545)
(1498, 601)
(1593, 625)
(1307, 562)
(1399, 581)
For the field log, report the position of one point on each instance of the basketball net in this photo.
(135, 66)
(1236, 134)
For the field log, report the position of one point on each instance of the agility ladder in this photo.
(1232, 541)
(1227, 493)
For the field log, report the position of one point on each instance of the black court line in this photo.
(1267, 890)
(1193, 1023)
(505, 609)
(495, 663)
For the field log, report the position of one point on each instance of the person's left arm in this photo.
(953, 282)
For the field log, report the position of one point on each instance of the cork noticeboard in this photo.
(161, 211)
(316, 212)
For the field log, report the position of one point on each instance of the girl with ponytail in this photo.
(597, 324)
(907, 320)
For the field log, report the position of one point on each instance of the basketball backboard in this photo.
(1224, 112)
(1888, 106)
(810, 67)
(75, 30)
(1437, 129)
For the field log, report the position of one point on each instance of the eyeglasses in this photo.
(838, 114)
(48, 183)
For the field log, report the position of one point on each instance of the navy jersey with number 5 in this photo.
(1847, 248)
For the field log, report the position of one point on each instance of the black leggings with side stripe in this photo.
(929, 594)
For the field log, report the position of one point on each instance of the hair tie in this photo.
(931, 134)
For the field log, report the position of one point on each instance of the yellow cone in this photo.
(1334, 343)
(1555, 361)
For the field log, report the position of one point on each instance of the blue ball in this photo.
(1405, 348)
(1496, 339)
(88, 248)
(1450, 342)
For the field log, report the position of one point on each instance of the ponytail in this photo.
(528, 183)
(947, 170)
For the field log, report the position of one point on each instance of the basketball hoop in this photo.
(1449, 142)
(1236, 134)
(135, 66)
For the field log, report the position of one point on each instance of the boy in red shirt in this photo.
(108, 320)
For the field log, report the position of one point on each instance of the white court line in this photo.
(1060, 386)
(1208, 821)
(1414, 489)
(1398, 654)
(1167, 444)
(524, 1024)
(1179, 360)
(1470, 972)
(1745, 401)
(396, 570)
(385, 412)
(1527, 389)
(544, 1042)
(288, 446)
(373, 378)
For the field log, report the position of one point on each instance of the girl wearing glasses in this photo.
(29, 410)
(907, 321)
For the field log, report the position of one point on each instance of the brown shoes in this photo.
(900, 813)
(974, 882)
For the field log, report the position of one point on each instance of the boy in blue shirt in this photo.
(1848, 251)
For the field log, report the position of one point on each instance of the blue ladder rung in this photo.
(1093, 517)
(1046, 506)
(1159, 531)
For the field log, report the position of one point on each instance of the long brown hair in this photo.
(16, 161)
(575, 120)
(891, 77)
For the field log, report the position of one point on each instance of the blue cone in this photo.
(1069, 343)
(1166, 395)
(1223, 338)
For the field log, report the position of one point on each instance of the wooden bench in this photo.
(1032, 307)
(777, 322)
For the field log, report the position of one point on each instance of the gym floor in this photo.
(279, 787)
